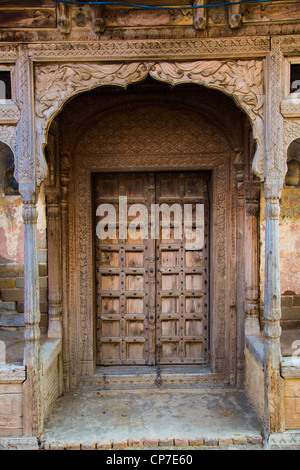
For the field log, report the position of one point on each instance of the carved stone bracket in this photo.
(234, 15)
(200, 15)
(64, 16)
(243, 80)
(98, 16)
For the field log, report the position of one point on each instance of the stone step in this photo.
(8, 306)
(201, 443)
(145, 378)
(11, 319)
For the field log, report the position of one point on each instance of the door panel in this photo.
(153, 291)
(122, 285)
(182, 274)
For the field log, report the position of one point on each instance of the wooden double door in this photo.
(152, 268)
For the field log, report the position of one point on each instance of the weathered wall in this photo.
(254, 381)
(289, 240)
(12, 249)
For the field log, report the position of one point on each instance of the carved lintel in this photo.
(234, 15)
(64, 14)
(98, 16)
(200, 15)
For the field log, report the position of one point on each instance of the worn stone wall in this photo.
(254, 381)
(12, 249)
(289, 239)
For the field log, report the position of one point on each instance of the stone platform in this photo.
(152, 419)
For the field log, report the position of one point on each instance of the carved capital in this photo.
(30, 213)
(32, 330)
(273, 189)
(53, 209)
(253, 200)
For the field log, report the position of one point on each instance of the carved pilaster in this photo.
(239, 166)
(32, 360)
(65, 180)
(252, 326)
(54, 268)
(200, 15)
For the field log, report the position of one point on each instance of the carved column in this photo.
(274, 164)
(54, 265)
(32, 360)
(26, 171)
(65, 180)
(239, 164)
(252, 326)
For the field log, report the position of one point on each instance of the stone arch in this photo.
(293, 164)
(242, 80)
(9, 185)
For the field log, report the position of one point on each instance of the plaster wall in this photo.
(289, 242)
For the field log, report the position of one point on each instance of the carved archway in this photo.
(56, 84)
(92, 150)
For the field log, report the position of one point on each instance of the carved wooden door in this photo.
(152, 284)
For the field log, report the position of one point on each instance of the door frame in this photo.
(221, 244)
(227, 252)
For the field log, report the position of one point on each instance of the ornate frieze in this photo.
(167, 49)
(290, 45)
(9, 113)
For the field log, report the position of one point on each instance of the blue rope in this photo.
(149, 7)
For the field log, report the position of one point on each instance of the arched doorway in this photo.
(149, 302)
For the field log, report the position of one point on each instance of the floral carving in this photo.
(243, 80)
